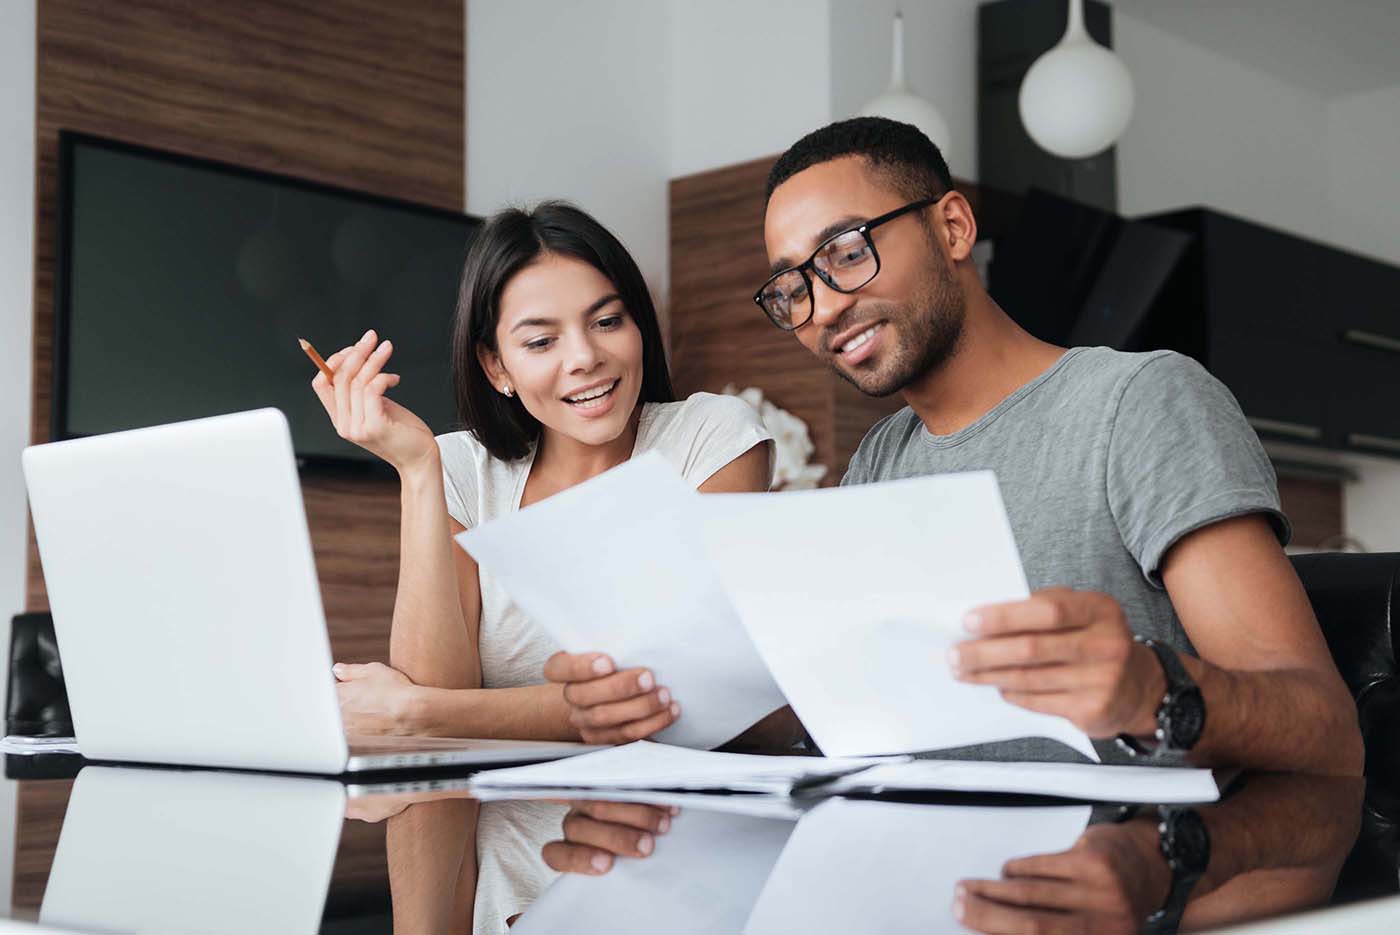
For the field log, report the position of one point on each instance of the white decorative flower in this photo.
(792, 442)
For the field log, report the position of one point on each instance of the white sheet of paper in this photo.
(648, 765)
(617, 565)
(854, 596)
(857, 866)
(703, 877)
(1091, 782)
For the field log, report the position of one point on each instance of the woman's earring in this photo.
(508, 391)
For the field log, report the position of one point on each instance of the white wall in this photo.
(940, 63)
(571, 100)
(747, 79)
(1363, 138)
(1209, 131)
(17, 64)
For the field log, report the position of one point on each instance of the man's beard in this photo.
(929, 327)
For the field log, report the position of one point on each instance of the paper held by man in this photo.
(843, 603)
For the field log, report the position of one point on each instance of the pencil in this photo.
(316, 359)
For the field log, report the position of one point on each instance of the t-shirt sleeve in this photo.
(459, 472)
(857, 470)
(1180, 457)
(716, 430)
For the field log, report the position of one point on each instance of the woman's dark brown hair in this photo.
(506, 244)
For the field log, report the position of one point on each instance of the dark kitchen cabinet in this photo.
(1306, 336)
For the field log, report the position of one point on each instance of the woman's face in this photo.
(569, 349)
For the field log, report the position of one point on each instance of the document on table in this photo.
(1089, 782)
(854, 596)
(648, 765)
(617, 565)
(853, 866)
(703, 877)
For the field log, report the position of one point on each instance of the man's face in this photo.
(905, 321)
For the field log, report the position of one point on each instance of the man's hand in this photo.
(1068, 653)
(596, 832)
(1110, 881)
(608, 706)
(375, 699)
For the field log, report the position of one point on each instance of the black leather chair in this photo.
(1356, 598)
(37, 703)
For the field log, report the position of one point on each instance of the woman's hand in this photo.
(376, 699)
(608, 706)
(597, 832)
(362, 413)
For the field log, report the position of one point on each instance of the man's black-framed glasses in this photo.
(845, 262)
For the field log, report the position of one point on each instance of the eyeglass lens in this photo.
(845, 263)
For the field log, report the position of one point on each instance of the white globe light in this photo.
(910, 108)
(1077, 99)
(899, 103)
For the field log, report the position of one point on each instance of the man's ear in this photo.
(959, 226)
(491, 363)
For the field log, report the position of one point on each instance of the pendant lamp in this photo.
(1076, 99)
(899, 103)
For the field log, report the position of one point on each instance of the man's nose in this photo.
(828, 305)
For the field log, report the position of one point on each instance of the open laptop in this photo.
(187, 609)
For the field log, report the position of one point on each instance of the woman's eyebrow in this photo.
(599, 303)
(546, 322)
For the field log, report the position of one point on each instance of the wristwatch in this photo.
(1185, 843)
(1181, 717)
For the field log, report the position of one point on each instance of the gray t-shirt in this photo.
(1105, 461)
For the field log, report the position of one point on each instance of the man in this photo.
(1140, 499)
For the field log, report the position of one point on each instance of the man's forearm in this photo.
(1287, 719)
(530, 712)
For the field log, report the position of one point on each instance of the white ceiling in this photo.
(1329, 47)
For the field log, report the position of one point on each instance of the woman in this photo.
(560, 374)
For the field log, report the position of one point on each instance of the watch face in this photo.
(1187, 714)
(1186, 842)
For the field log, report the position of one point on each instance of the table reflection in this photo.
(154, 850)
(1278, 842)
(146, 850)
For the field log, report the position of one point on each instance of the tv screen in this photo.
(183, 285)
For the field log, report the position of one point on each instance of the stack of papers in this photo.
(1090, 783)
(647, 765)
(624, 772)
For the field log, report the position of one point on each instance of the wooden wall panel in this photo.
(354, 93)
(718, 335)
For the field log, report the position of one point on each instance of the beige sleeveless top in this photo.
(699, 436)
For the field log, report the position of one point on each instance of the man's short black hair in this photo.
(899, 152)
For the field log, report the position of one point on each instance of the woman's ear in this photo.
(491, 364)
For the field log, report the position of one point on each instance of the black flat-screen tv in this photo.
(183, 284)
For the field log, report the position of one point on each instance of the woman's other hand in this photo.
(608, 706)
(376, 699)
(362, 414)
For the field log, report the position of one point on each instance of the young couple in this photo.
(1141, 501)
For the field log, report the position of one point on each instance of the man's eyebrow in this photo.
(838, 226)
(546, 322)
